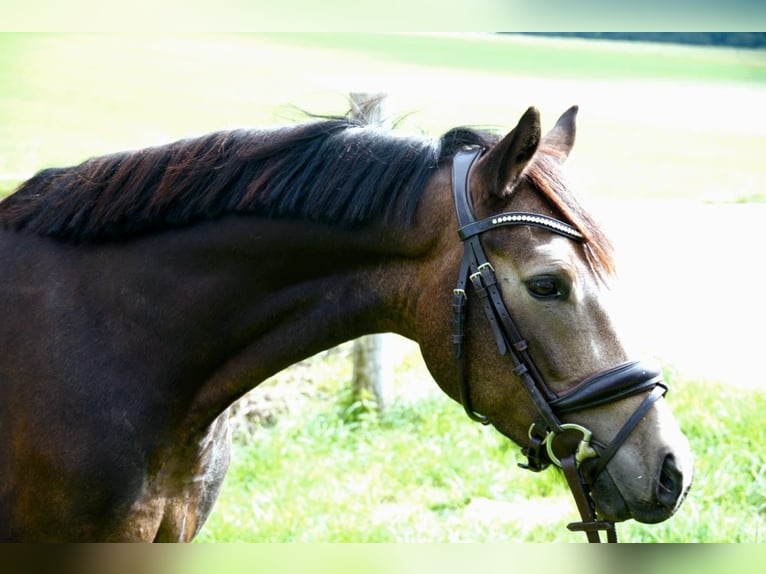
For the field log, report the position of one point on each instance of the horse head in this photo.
(535, 349)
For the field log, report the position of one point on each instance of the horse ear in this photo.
(562, 137)
(499, 169)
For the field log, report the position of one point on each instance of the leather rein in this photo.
(550, 440)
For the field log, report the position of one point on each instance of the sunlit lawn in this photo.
(424, 473)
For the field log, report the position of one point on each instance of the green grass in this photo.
(542, 57)
(752, 198)
(423, 473)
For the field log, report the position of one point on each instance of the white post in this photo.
(372, 376)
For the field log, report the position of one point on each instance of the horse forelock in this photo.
(544, 172)
(331, 171)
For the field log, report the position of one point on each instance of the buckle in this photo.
(486, 265)
(594, 526)
(535, 452)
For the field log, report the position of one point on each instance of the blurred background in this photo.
(669, 156)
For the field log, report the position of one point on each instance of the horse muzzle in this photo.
(647, 485)
(616, 499)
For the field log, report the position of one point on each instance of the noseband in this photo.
(550, 440)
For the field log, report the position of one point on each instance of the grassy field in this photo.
(656, 123)
(324, 470)
(535, 57)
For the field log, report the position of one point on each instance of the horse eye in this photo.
(543, 287)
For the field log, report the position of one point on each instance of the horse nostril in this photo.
(670, 483)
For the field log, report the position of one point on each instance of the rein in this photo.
(550, 440)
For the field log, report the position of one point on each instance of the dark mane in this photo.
(332, 171)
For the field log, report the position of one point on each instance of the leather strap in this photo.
(605, 456)
(482, 278)
(519, 218)
(611, 385)
(461, 171)
(589, 524)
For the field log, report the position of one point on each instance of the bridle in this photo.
(550, 440)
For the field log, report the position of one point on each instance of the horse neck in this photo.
(252, 296)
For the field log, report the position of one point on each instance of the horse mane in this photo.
(334, 171)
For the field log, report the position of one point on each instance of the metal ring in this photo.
(584, 450)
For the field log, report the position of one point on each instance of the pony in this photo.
(143, 292)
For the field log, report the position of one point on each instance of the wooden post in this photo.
(372, 376)
(369, 108)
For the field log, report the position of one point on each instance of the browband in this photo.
(520, 218)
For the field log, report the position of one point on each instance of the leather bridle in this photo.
(550, 440)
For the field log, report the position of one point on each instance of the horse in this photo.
(144, 292)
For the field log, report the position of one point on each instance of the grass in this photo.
(752, 198)
(423, 473)
(542, 57)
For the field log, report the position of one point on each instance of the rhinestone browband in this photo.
(520, 218)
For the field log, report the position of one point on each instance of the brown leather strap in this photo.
(589, 524)
(605, 456)
(611, 385)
